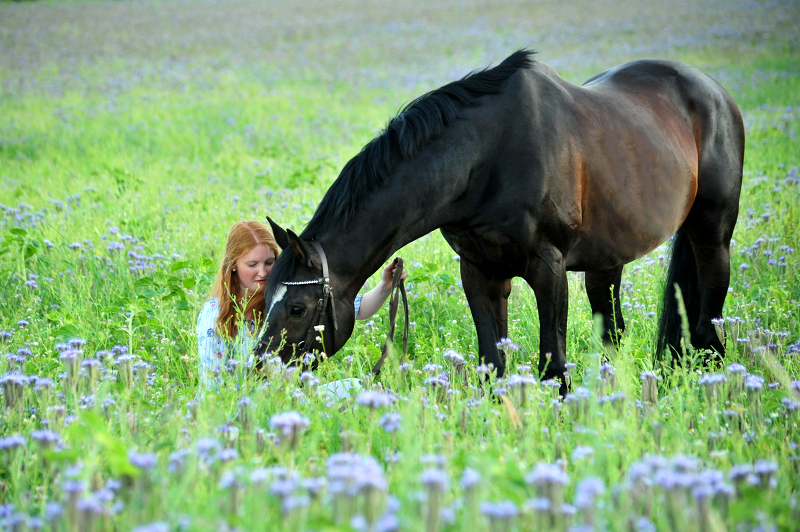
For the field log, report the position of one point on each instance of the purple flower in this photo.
(587, 491)
(12, 442)
(46, 438)
(13, 385)
(71, 359)
(391, 422)
(649, 389)
(484, 369)
(469, 478)
(314, 486)
(205, 446)
(283, 487)
(308, 378)
(375, 400)
(765, 469)
(434, 480)
(291, 426)
(143, 461)
(226, 455)
(77, 343)
(456, 360)
(431, 368)
(177, 460)
(754, 383)
(53, 511)
(500, 512)
(507, 345)
(158, 526)
(549, 480)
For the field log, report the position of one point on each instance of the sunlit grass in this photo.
(133, 134)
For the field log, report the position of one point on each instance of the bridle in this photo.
(322, 304)
(327, 296)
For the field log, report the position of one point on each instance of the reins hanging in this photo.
(397, 286)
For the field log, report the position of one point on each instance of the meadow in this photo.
(134, 133)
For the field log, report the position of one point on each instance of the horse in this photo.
(527, 175)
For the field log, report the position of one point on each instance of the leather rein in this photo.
(326, 297)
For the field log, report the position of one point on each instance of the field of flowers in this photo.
(133, 133)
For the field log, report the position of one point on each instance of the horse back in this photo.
(637, 141)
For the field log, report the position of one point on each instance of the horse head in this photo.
(304, 312)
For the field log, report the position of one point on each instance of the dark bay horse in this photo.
(528, 175)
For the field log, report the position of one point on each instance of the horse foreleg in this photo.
(488, 301)
(546, 273)
(602, 287)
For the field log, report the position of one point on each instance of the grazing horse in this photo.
(528, 175)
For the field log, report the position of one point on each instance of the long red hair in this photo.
(242, 238)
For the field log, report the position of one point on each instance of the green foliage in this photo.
(130, 141)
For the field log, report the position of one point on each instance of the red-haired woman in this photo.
(229, 322)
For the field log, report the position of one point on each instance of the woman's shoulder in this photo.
(210, 306)
(209, 311)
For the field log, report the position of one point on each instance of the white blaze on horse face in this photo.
(279, 293)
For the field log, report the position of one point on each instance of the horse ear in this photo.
(301, 249)
(280, 235)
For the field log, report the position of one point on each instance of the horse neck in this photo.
(418, 197)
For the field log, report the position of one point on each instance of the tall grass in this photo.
(132, 134)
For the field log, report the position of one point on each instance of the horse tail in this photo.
(683, 273)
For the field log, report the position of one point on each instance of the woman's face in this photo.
(253, 269)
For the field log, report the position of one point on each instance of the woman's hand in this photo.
(388, 275)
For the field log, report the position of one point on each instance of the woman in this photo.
(229, 321)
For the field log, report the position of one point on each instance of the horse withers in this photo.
(528, 175)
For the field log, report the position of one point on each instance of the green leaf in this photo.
(180, 265)
(29, 250)
(18, 231)
(143, 282)
(69, 455)
(66, 332)
(189, 283)
(445, 279)
(148, 293)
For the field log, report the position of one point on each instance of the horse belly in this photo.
(634, 204)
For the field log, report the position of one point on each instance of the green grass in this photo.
(169, 121)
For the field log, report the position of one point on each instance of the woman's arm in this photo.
(372, 300)
(209, 347)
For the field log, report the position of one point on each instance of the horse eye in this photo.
(296, 311)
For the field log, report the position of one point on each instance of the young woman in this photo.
(230, 320)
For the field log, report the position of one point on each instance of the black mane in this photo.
(415, 126)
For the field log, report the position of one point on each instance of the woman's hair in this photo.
(242, 238)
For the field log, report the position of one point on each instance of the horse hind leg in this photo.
(488, 302)
(602, 287)
(709, 237)
(712, 218)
